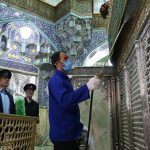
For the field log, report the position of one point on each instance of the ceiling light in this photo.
(25, 32)
(17, 13)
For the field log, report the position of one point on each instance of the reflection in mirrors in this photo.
(18, 81)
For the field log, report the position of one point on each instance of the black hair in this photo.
(55, 57)
(5, 73)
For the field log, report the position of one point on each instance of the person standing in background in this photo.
(31, 106)
(7, 105)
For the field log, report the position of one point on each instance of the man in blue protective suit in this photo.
(64, 113)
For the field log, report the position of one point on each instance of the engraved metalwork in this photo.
(17, 132)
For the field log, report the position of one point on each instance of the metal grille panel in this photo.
(136, 105)
(147, 58)
(124, 115)
(17, 132)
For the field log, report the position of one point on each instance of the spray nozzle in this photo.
(99, 75)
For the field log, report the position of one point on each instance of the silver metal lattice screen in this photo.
(125, 137)
(136, 110)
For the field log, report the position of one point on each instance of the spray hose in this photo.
(99, 75)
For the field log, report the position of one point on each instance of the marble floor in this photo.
(43, 147)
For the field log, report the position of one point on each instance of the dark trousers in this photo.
(69, 145)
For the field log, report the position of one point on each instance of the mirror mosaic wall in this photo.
(100, 122)
(18, 81)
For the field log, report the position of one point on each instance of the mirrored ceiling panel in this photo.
(52, 2)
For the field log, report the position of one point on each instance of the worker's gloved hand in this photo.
(93, 83)
(70, 76)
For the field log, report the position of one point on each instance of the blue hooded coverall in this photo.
(64, 113)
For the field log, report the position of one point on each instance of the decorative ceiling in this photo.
(72, 34)
(97, 4)
(52, 2)
(21, 42)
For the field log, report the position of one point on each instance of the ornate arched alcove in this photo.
(23, 53)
